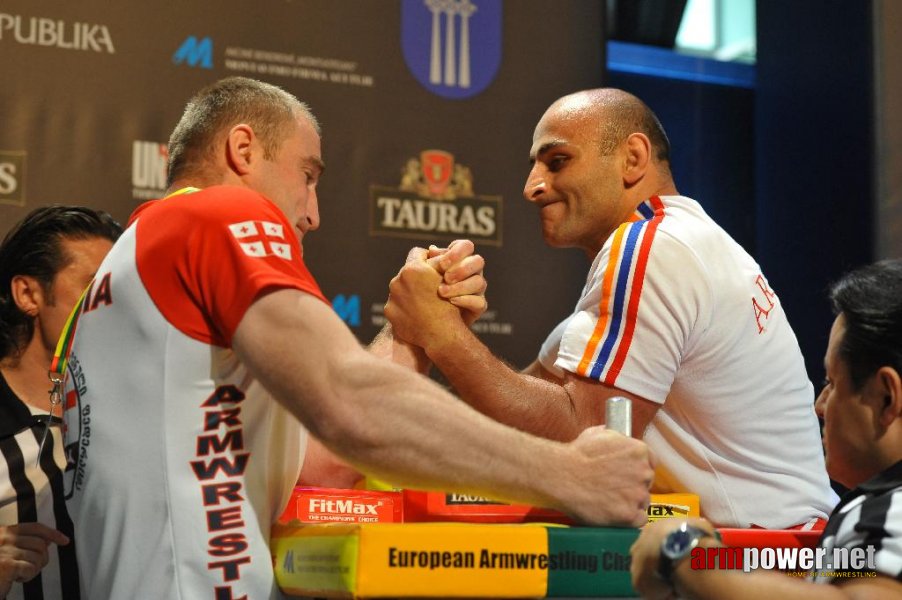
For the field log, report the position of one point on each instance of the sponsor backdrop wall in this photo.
(427, 108)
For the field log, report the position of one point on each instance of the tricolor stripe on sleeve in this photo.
(621, 292)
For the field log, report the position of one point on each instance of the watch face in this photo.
(678, 542)
(676, 546)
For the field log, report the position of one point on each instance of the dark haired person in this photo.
(861, 405)
(674, 315)
(46, 261)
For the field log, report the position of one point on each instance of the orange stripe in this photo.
(603, 311)
(636, 292)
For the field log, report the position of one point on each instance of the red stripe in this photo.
(636, 292)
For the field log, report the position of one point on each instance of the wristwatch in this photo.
(677, 546)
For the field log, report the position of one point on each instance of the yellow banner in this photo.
(451, 559)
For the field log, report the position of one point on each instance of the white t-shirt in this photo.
(675, 311)
(181, 461)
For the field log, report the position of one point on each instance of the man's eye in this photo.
(557, 163)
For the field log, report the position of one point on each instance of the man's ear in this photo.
(890, 388)
(239, 148)
(28, 294)
(638, 154)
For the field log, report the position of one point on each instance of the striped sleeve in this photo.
(31, 490)
(883, 521)
(633, 320)
(872, 523)
(621, 293)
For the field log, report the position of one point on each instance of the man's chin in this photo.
(551, 238)
(555, 241)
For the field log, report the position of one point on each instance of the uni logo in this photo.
(348, 308)
(452, 47)
(149, 163)
(197, 53)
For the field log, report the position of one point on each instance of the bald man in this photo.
(674, 315)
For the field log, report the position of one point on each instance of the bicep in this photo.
(295, 345)
(589, 397)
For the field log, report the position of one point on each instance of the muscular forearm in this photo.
(433, 441)
(491, 386)
(382, 418)
(403, 428)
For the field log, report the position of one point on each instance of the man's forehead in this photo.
(310, 144)
(545, 143)
(837, 331)
(555, 130)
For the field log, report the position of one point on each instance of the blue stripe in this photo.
(619, 298)
(646, 211)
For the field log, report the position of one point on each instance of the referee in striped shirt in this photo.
(46, 261)
(861, 406)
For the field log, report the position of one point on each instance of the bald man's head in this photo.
(616, 114)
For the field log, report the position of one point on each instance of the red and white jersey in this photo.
(675, 311)
(180, 460)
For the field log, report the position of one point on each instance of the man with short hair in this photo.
(213, 342)
(861, 405)
(46, 261)
(675, 315)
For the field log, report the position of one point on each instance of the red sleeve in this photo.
(205, 257)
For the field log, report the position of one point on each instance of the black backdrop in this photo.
(91, 90)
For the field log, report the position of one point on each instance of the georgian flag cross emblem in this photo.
(258, 239)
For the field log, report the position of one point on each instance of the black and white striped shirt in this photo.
(34, 492)
(869, 515)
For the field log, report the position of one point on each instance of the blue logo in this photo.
(197, 53)
(347, 308)
(452, 47)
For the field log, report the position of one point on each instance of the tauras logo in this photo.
(435, 199)
(345, 507)
(43, 31)
(12, 178)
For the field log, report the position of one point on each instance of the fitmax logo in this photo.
(197, 53)
(347, 308)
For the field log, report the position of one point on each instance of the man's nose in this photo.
(312, 211)
(819, 404)
(535, 185)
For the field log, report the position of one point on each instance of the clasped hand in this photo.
(436, 290)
